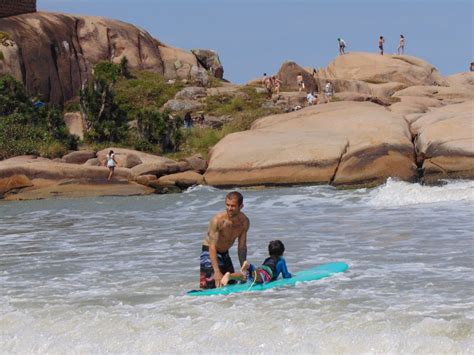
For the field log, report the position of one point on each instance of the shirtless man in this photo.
(224, 228)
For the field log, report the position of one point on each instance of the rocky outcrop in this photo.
(79, 157)
(182, 180)
(377, 69)
(74, 123)
(29, 177)
(209, 59)
(53, 54)
(445, 142)
(343, 143)
(289, 71)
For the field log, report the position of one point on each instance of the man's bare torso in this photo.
(228, 230)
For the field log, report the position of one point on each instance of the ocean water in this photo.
(109, 275)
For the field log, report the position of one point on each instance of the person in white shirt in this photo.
(342, 46)
(312, 99)
(111, 163)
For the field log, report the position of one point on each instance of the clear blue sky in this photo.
(256, 36)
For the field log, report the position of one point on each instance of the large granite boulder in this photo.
(461, 79)
(183, 105)
(445, 141)
(378, 69)
(74, 123)
(59, 51)
(14, 182)
(182, 180)
(289, 71)
(144, 157)
(209, 59)
(79, 157)
(342, 143)
(191, 93)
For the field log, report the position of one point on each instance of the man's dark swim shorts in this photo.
(206, 279)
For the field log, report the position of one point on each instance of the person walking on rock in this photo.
(300, 82)
(342, 46)
(381, 42)
(111, 163)
(401, 45)
(268, 85)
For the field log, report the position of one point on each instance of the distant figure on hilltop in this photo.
(401, 45)
(381, 42)
(300, 82)
(342, 46)
(472, 66)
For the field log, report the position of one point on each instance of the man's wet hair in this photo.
(276, 248)
(235, 195)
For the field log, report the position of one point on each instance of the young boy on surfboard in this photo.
(270, 269)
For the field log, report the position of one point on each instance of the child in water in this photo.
(271, 268)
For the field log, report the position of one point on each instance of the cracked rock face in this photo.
(344, 143)
(53, 54)
(445, 141)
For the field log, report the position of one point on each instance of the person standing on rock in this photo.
(328, 92)
(342, 46)
(277, 82)
(300, 82)
(401, 45)
(268, 84)
(223, 230)
(381, 42)
(111, 163)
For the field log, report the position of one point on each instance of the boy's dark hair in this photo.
(276, 248)
(237, 195)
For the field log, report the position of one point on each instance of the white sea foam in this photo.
(399, 193)
(84, 277)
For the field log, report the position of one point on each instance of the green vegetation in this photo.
(2, 57)
(25, 129)
(144, 90)
(117, 96)
(244, 108)
(121, 107)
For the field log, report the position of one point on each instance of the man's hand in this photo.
(217, 278)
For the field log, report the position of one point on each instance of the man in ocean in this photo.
(224, 228)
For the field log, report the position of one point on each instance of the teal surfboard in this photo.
(315, 273)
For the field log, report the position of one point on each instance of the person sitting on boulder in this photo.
(111, 163)
(270, 269)
(311, 98)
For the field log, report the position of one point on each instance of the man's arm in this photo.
(213, 233)
(242, 247)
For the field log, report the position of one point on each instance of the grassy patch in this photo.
(145, 90)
